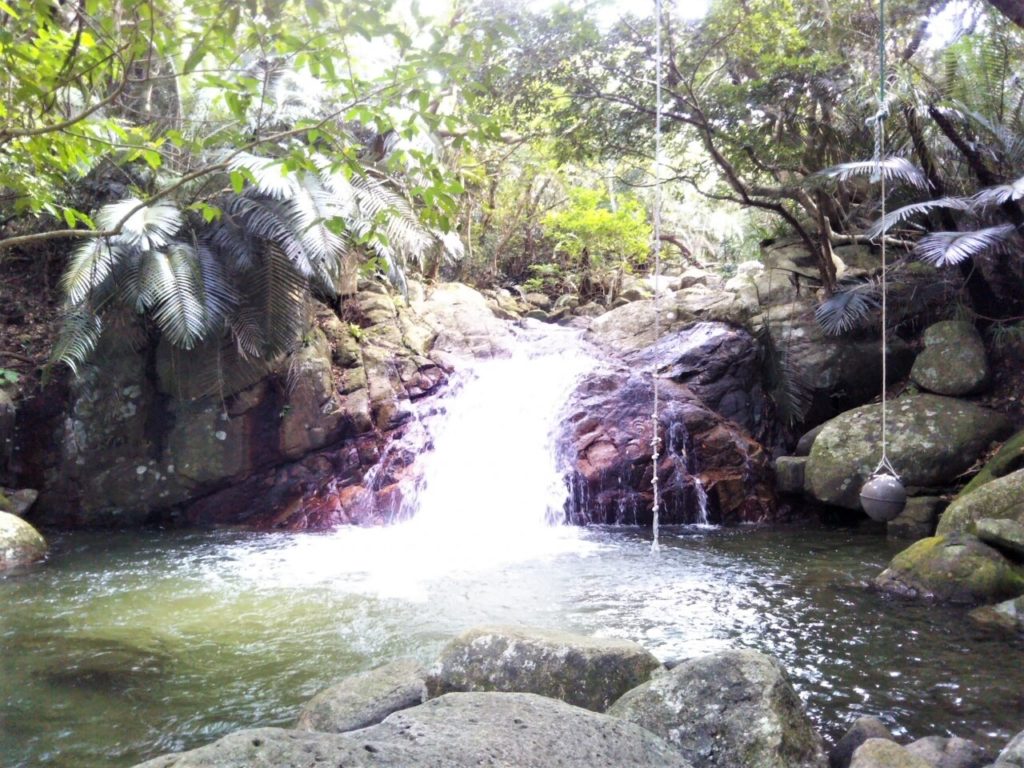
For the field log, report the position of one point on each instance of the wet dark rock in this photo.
(589, 672)
(789, 474)
(729, 709)
(863, 728)
(457, 730)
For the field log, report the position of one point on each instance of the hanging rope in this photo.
(655, 440)
(884, 466)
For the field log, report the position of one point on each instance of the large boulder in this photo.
(1005, 535)
(589, 672)
(882, 753)
(729, 709)
(1013, 755)
(464, 324)
(365, 699)
(956, 568)
(1002, 498)
(1009, 458)
(932, 439)
(953, 361)
(457, 730)
(20, 543)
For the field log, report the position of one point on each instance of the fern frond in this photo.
(310, 210)
(944, 248)
(267, 220)
(847, 308)
(893, 168)
(277, 291)
(270, 177)
(892, 218)
(146, 227)
(171, 281)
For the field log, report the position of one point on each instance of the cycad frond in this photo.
(146, 226)
(80, 331)
(277, 291)
(218, 293)
(892, 218)
(999, 194)
(171, 283)
(784, 384)
(310, 210)
(270, 177)
(847, 308)
(944, 248)
(268, 220)
(893, 168)
(88, 268)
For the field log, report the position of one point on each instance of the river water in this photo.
(125, 645)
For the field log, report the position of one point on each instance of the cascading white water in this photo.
(489, 490)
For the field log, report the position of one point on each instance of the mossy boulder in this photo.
(957, 568)
(589, 672)
(1005, 535)
(932, 439)
(20, 543)
(953, 361)
(1002, 498)
(734, 708)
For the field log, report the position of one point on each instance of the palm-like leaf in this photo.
(847, 308)
(271, 178)
(945, 248)
(142, 226)
(171, 280)
(277, 291)
(892, 168)
(80, 331)
(998, 195)
(89, 267)
(893, 218)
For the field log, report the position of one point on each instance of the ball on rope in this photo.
(883, 497)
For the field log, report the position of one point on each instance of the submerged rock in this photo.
(589, 672)
(365, 698)
(953, 361)
(727, 710)
(20, 543)
(932, 440)
(454, 731)
(955, 568)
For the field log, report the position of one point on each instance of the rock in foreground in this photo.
(727, 710)
(455, 730)
(366, 698)
(589, 672)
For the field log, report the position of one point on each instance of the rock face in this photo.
(882, 753)
(953, 361)
(365, 699)
(454, 731)
(588, 672)
(1002, 498)
(931, 440)
(956, 568)
(1005, 535)
(20, 543)
(729, 709)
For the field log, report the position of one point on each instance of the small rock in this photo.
(539, 300)
(940, 752)
(918, 518)
(1008, 615)
(727, 710)
(953, 361)
(589, 672)
(20, 543)
(789, 474)
(882, 753)
(365, 699)
(863, 728)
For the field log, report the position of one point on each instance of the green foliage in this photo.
(589, 225)
(8, 378)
